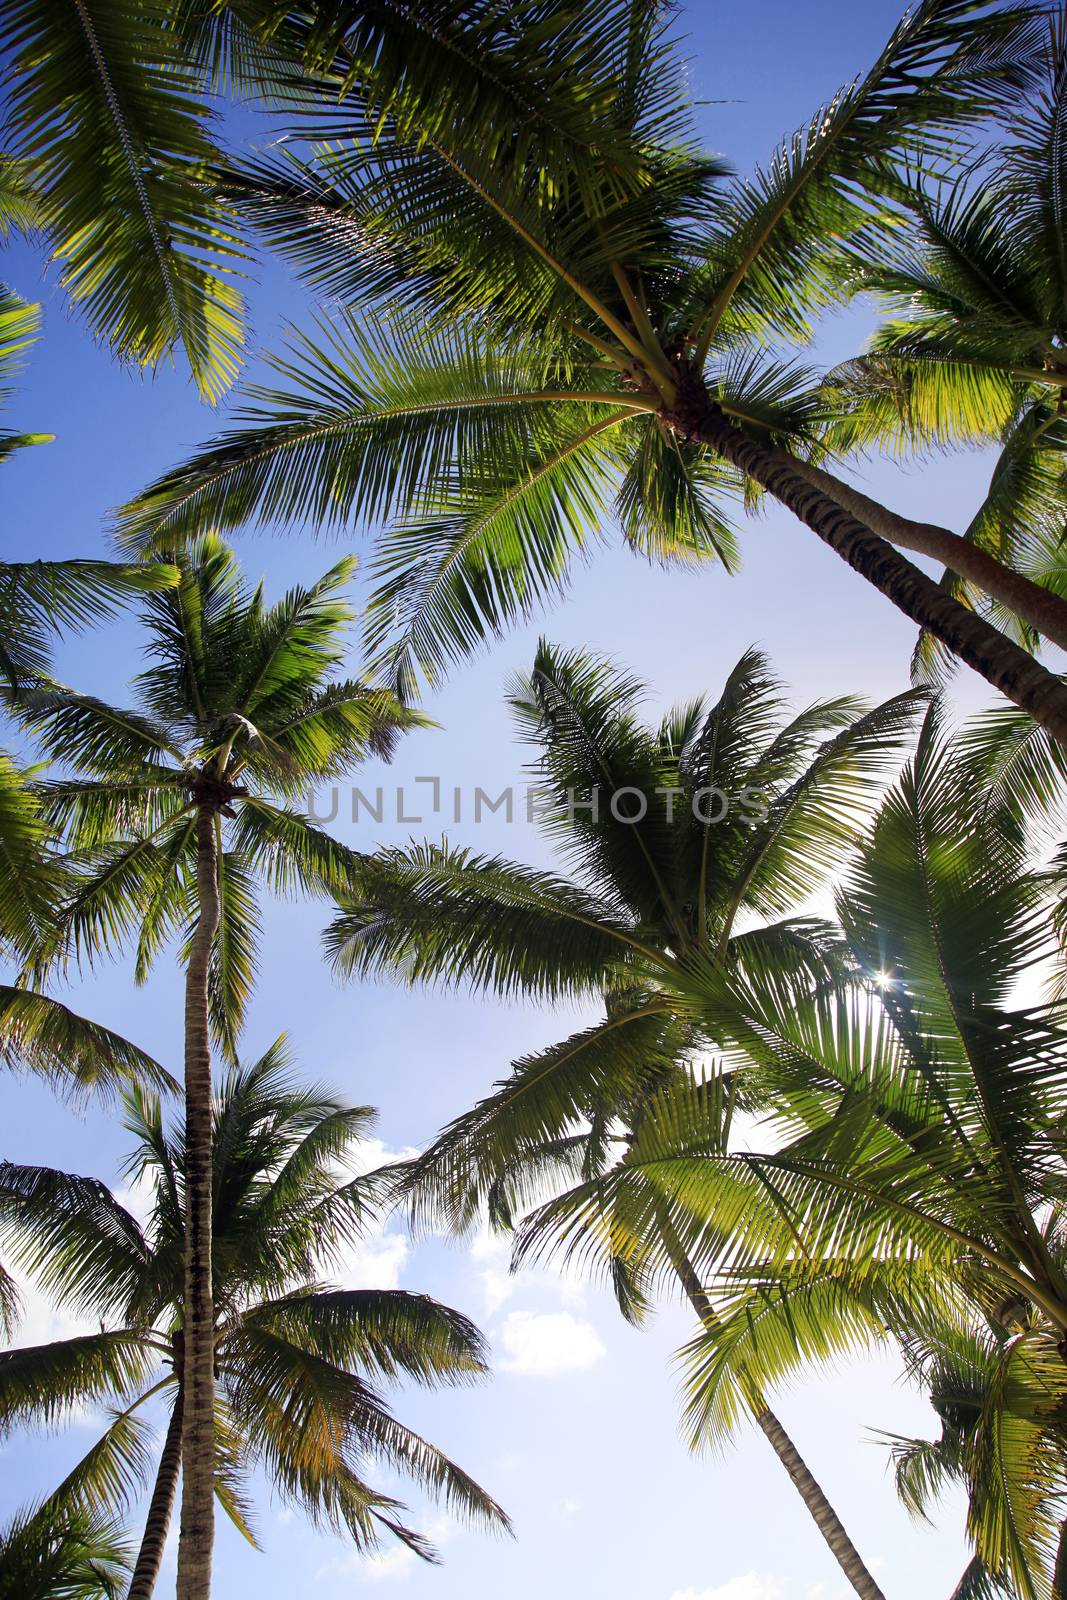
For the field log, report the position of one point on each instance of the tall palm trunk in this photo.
(1039, 607)
(198, 1449)
(1001, 662)
(160, 1508)
(1059, 1576)
(823, 1514)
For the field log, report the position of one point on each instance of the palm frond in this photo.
(105, 107)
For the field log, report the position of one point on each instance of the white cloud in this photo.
(376, 1263)
(388, 1564)
(41, 1321)
(569, 1508)
(491, 1254)
(750, 1586)
(378, 1260)
(544, 1345)
(138, 1197)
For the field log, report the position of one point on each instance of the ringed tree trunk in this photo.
(1001, 662)
(160, 1508)
(1043, 610)
(822, 1512)
(197, 1530)
(1059, 1576)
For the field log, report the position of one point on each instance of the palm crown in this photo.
(239, 714)
(745, 812)
(687, 838)
(557, 347)
(298, 1358)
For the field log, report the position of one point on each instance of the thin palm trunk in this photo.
(1001, 662)
(198, 1450)
(1043, 610)
(822, 1512)
(160, 1508)
(1059, 1576)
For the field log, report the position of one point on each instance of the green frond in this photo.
(40, 1384)
(944, 66)
(43, 1036)
(97, 738)
(41, 599)
(361, 417)
(31, 879)
(546, 1097)
(382, 1331)
(114, 1471)
(808, 829)
(72, 1237)
(52, 1552)
(19, 324)
(497, 543)
(290, 853)
(433, 913)
(106, 110)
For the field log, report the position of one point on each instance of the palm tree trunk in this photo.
(1059, 1576)
(1039, 607)
(1001, 662)
(198, 1450)
(822, 1512)
(160, 1508)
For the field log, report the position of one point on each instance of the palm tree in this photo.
(549, 351)
(51, 1554)
(914, 1174)
(175, 810)
(742, 813)
(297, 1357)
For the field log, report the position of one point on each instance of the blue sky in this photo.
(577, 1434)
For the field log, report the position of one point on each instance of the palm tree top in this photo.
(236, 690)
(239, 714)
(677, 835)
(518, 356)
(300, 1359)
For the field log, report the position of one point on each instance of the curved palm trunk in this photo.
(1003, 664)
(1059, 1576)
(160, 1508)
(822, 1512)
(198, 1450)
(1039, 607)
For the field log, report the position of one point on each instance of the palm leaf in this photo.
(105, 107)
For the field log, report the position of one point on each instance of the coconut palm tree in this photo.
(913, 1174)
(298, 1358)
(555, 348)
(48, 1553)
(686, 839)
(176, 808)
